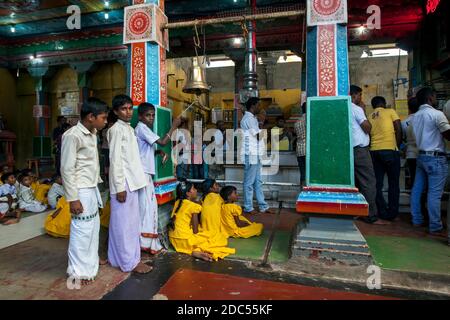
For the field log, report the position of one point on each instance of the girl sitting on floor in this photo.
(27, 200)
(211, 216)
(233, 222)
(184, 234)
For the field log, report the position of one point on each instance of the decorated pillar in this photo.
(82, 69)
(147, 77)
(42, 145)
(330, 198)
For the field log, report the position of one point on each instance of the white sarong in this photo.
(84, 237)
(148, 209)
(34, 206)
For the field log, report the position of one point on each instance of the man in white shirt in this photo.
(364, 173)
(250, 153)
(80, 171)
(430, 127)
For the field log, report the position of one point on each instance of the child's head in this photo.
(5, 169)
(123, 107)
(229, 194)
(146, 113)
(210, 185)
(29, 173)
(8, 178)
(95, 113)
(26, 180)
(57, 179)
(186, 190)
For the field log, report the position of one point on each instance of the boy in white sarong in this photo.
(148, 206)
(80, 171)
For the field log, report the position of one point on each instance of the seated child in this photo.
(9, 213)
(55, 192)
(184, 234)
(27, 201)
(57, 223)
(211, 216)
(233, 222)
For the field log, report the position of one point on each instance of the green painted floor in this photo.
(410, 254)
(253, 248)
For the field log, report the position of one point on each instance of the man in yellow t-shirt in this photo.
(386, 137)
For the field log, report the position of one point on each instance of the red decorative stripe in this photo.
(163, 77)
(138, 73)
(150, 235)
(333, 208)
(326, 72)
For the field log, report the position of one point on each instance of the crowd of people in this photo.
(378, 140)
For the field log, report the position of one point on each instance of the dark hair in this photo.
(251, 102)
(424, 94)
(121, 100)
(55, 176)
(355, 90)
(182, 189)
(59, 118)
(6, 176)
(377, 101)
(206, 186)
(226, 192)
(26, 172)
(93, 106)
(145, 107)
(304, 108)
(66, 126)
(413, 105)
(22, 176)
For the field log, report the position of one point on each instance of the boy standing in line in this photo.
(80, 171)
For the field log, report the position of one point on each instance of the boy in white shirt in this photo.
(9, 213)
(80, 171)
(148, 205)
(56, 191)
(126, 178)
(27, 200)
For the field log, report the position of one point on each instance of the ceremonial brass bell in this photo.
(196, 80)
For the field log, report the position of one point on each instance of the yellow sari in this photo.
(211, 217)
(185, 241)
(105, 215)
(229, 212)
(40, 191)
(59, 227)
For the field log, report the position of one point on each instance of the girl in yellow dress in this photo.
(184, 230)
(233, 222)
(211, 216)
(57, 223)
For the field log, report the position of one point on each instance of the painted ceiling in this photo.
(43, 22)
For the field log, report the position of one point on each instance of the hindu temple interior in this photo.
(49, 68)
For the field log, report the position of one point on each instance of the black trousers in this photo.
(365, 179)
(387, 162)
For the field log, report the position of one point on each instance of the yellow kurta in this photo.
(211, 217)
(59, 227)
(231, 210)
(40, 191)
(185, 241)
(105, 214)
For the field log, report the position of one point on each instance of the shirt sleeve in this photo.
(116, 168)
(394, 115)
(442, 122)
(70, 145)
(359, 115)
(147, 135)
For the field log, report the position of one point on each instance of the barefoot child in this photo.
(233, 222)
(148, 206)
(126, 177)
(9, 213)
(80, 171)
(27, 200)
(184, 234)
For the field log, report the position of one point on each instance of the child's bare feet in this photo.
(142, 268)
(10, 222)
(202, 255)
(86, 282)
(103, 262)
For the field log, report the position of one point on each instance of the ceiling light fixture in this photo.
(237, 41)
(107, 4)
(13, 29)
(361, 29)
(106, 15)
(12, 14)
